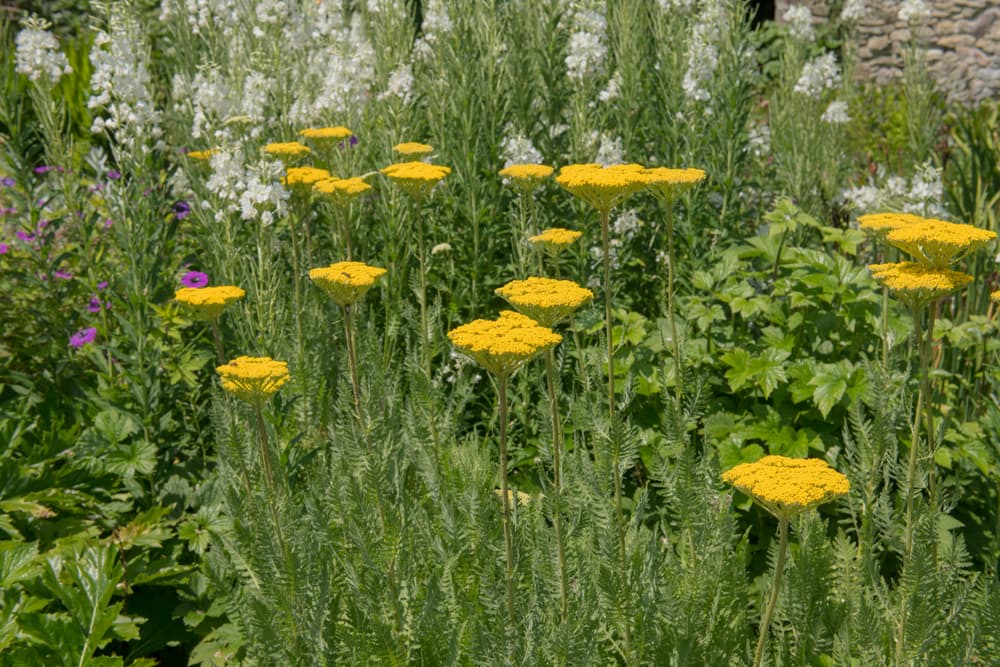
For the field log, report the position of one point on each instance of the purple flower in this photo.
(7, 181)
(44, 169)
(194, 279)
(114, 174)
(25, 236)
(8, 211)
(42, 224)
(95, 304)
(354, 140)
(63, 275)
(4, 248)
(108, 223)
(181, 209)
(101, 285)
(83, 337)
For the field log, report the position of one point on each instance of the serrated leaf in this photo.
(829, 389)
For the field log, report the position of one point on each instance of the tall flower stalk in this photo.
(207, 303)
(502, 346)
(526, 178)
(549, 302)
(785, 487)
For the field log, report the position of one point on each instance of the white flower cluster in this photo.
(613, 90)
(518, 149)
(436, 22)
(921, 195)
(836, 113)
(587, 48)
(120, 86)
(203, 15)
(675, 6)
(37, 54)
(798, 18)
(853, 10)
(703, 51)
(819, 74)
(914, 11)
(400, 84)
(253, 191)
(759, 140)
(610, 151)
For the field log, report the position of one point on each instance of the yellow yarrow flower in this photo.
(413, 149)
(668, 184)
(346, 282)
(785, 486)
(938, 243)
(545, 300)
(881, 224)
(326, 133)
(208, 302)
(502, 345)
(527, 176)
(995, 296)
(304, 176)
(555, 239)
(601, 187)
(287, 149)
(915, 283)
(202, 155)
(341, 190)
(253, 379)
(416, 178)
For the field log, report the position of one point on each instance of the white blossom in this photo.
(914, 11)
(798, 18)
(819, 74)
(613, 89)
(610, 151)
(587, 49)
(836, 113)
(853, 10)
(518, 149)
(759, 140)
(703, 51)
(252, 191)
(37, 54)
(921, 194)
(400, 84)
(674, 6)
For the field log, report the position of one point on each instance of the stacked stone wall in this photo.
(961, 40)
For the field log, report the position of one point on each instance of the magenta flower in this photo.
(25, 236)
(8, 182)
(44, 169)
(64, 275)
(102, 284)
(83, 337)
(4, 248)
(95, 304)
(194, 279)
(114, 174)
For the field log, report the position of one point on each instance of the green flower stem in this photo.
(669, 206)
(297, 291)
(608, 324)
(557, 440)
(217, 337)
(885, 328)
(918, 341)
(352, 361)
(779, 568)
(265, 451)
(505, 501)
(424, 330)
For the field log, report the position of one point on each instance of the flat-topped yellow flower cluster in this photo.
(341, 191)
(416, 178)
(208, 302)
(413, 149)
(527, 176)
(881, 224)
(502, 345)
(601, 187)
(915, 283)
(304, 176)
(555, 239)
(668, 184)
(326, 133)
(346, 282)
(287, 149)
(253, 379)
(785, 486)
(545, 300)
(938, 243)
(202, 155)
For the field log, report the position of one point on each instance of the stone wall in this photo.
(961, 38)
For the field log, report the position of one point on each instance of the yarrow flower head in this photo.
(555, 239)
(668, 184)
(194, 279)
(413, 149)
(287, 149)
(346, 282)
(937, 243)
(527, 177)
(416, 178)
(916, 284)
(880, 224)
(601, 187)
(545, 300)
(303, 178)
(324, 134)
(342, 191)
(786, 486)
(204, 155)
(208, 302)
(503, 345)
(253, 379)
(83, 337)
